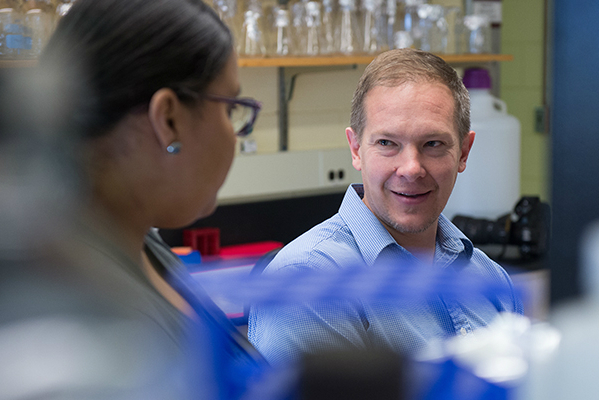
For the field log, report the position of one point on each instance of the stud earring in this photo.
(174, 147)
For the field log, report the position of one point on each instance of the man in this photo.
(410, 137)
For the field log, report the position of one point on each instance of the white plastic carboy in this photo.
(490, 185)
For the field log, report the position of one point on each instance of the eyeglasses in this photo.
(243, 112)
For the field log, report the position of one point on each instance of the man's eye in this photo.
(384, 142)
(433, 143)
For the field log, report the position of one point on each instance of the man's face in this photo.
(409, 155)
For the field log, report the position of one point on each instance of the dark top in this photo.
(79, 319)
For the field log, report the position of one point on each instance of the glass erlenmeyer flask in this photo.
(227, 11)
(348, 36)
(392, 23)
(251, 41)
(402, 40)
(327, 41)
(371, 25)
(412, 22)
(478, 33)
(398, 32)
(455, 27)
(298, 23)
(313, 25)
(281, 40)
(434, 28)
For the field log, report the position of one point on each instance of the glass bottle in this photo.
(371, 28)
(391, 23)
(455, 27)
(280, 43)
(312, 19)
(13, 38)
(412, 22)
(39, 22)
(348, 36)
(227, 11)
(327, 41)
(381, 25)
(251, 42)
(398, 32)
(478, 33)
(434, 28)
(298, 12)
(402, 40)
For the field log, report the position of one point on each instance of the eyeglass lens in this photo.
(241, 116)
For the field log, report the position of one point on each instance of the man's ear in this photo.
(162, 114)
(354, 146)
(465, 150)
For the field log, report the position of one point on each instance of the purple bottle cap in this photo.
(477, 78)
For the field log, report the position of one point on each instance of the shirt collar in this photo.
(372, 237)
(451, 241)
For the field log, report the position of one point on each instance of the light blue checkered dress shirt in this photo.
(354, 236)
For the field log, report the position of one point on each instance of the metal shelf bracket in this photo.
(287, 77)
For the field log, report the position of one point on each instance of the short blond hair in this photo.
(394, 68)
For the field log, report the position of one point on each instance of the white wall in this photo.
(318, 115)
(318, 112)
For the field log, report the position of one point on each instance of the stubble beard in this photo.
(406, 229)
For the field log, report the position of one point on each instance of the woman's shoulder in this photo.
(79, 343)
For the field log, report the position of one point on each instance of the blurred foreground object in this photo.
(73, 317)
(501, 353)
(477, 366)
(571, 370)
(38, 174)
(354, 375)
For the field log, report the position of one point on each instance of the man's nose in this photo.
(409, 164)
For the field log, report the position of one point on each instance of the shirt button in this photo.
(463, 331)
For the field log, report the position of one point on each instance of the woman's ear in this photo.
(162, 114)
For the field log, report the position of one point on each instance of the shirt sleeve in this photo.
(509, 300)
(283, 332)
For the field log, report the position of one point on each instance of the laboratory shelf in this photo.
(316, 61)
(17, 63)
(360, 59)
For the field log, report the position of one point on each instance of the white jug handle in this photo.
(500, 106)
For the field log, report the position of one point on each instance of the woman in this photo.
(156, 111)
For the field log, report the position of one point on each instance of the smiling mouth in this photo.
(412, 195)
